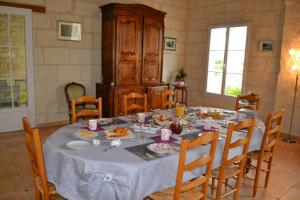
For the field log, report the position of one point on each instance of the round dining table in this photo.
(104, 172)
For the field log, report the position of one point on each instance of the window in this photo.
(226, 60)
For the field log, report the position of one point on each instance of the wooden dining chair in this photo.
(74, 90)
(266, 152)
(197, 187)
(168, 99)
(134, 102)
(206, 138)
(233, 167)
(249, 101)
(42, 188)
(86, 111)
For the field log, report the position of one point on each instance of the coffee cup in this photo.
(92, 124)
(141, 117)
(165, 134)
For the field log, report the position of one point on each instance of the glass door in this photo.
(16, 77)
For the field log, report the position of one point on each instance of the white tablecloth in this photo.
(92, 173)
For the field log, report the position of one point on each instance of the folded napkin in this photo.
(158, 139)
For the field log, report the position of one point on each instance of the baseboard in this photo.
(58, 123)
(285, 135)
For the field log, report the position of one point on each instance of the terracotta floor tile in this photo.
(15, 196)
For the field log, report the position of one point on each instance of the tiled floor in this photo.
(16, 178)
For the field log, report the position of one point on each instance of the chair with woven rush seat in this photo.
(86, 111)
(134, 102)
(266, 152)
(42, 188)
(198, 186)
(74, 90)
(252, 102)
(228, 169)
(168, 99)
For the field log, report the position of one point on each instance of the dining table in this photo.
(127, 168)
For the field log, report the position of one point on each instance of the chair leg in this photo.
(256, 180)
(212, 190)
(38, 195)
(238, 184)
(219, 189)
(247, 166)
(226, 182)
(269, 171)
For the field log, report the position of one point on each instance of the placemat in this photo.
(143, 152)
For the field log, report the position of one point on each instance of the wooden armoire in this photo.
(132, 54)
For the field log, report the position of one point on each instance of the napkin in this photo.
(158, 139)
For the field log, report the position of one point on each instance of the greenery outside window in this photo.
(226, 59)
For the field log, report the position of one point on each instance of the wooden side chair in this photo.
(249, 101)
(168, 100)
(266, 152)
(207, 138)
(138, 102)
(86, 112)
(42, 188)
(74, 90)
(197, 187)
(229, 168)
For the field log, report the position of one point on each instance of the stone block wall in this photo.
(286, 79)
(265, 19)
(57, 63)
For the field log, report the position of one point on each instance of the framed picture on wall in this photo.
(266, 46)
(69, 31)
(170, 43)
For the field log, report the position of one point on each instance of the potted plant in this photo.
(180, 75)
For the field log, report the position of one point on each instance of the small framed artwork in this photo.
(266, 46)
(69, 31)
(170, 43)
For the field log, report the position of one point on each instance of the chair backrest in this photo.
(86, 111)
(271, 135)
(252, 102)
(241, 142)
(168, 99)
(207, 138)
(139, 102)
(73, 91)
(36, 157)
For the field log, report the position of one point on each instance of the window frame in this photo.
(244, 79)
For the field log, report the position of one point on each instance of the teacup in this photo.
(92, 124)
(165, 134)
(141, 117)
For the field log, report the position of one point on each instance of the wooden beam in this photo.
(38, 9)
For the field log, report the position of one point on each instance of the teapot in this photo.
(176, 126)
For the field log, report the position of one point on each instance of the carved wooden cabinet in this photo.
(132, 52)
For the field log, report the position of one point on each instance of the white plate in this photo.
(78, 144)
(104, 121)
(93, 135)
(160, 148)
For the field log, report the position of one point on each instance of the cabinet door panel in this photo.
(152, 51)
(154, 95)
(128, 49)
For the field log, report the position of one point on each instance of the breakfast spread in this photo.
(214, 115)
(86, 134)
(159, 117)
(118, 132)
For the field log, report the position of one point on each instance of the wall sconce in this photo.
(295, 56)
